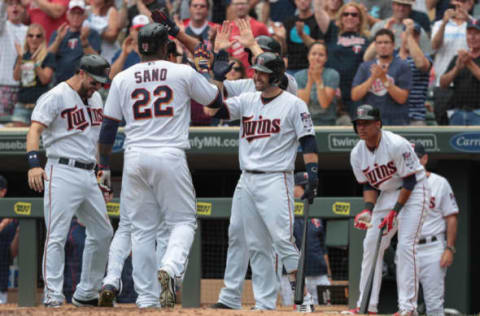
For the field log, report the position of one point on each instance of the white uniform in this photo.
(384, 169)
(237, 255)
(263, 199)
(70, 137)
(429, 251)
(154, 99)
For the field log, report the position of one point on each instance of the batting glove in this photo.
(201, 57)
(311, 189)
(221, 66)
(104, 178)
(362, 220)
(161, 17)
(390, 221)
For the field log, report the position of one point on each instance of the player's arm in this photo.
(310, 157)
(36, 174)
(447, 256)
(188, 41)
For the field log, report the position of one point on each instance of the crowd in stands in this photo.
(417, 60)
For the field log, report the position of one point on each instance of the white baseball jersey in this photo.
(72, 127)
(385, 168)
(442, 204)
(236, 87)
(269, 130)
(154, 99)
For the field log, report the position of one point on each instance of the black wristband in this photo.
(33, 158)
(369, 206)
(398, 206)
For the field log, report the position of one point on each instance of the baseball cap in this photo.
(419, 150)
(3, 182)
(407, 2)
(301, 178)
(140, 20)
(475, 24)
(76, 4)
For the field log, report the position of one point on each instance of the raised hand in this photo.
(84, 34)
(299, 26)
(279, 30)
(246, 37)
(127, 45)
(222, 40)
(62, 31)
(221, 65)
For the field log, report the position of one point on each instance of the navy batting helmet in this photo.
(96, 67)
(151, 37)
(269, 44)
(368, 113)
(271, 64)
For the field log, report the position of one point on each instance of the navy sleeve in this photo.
(362, 74)
(49, 61)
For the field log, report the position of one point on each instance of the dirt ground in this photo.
(130, 310)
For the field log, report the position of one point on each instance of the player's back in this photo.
(154, 100)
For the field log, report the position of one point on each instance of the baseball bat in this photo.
(300, 275)
(367, 291)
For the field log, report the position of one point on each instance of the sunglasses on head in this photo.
(35, 35)
(201, 6)
(352, 14)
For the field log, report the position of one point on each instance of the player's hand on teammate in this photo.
(390, 221)
(36, 176)
(222, 38)
(161, 17)
(221, 65)
(104, 179)
(362, 220)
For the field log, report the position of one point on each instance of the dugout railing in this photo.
(454, 153)
(338, 212)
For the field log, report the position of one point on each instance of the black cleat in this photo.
(219, 305)
(108, 296)
(81, 303)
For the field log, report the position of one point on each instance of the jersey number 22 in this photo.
(163, 95)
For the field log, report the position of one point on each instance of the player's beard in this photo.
(85, 92)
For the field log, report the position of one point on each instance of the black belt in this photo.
(255, 171)
(424, 240)
(76, 164)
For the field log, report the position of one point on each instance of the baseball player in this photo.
(395, 190)
(154, 99)
(237, 255)
(68, 117)
(121, 245)
(272, 124)
(436, 245)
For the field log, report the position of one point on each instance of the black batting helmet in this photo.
(96, 67)
(269, 44)
(368, 113)
(151, 37)
(271, 64)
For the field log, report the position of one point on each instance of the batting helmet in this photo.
(151, 37)
(368, 113)
(269, 44)
(96, 67)
(271, 64)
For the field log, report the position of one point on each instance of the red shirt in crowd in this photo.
(40, 17)
(237, 50)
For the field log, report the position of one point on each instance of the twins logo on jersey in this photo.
(380, 173)
(261, 128)
(306, 120)
(378, 88)
(409, 160)
(76, 118)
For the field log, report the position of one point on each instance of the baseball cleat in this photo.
(355, 311)
(167, 296)
(307, 306)
(53, 304)
(86, 303)
(108, 296)
(219, 305)
(405, 313)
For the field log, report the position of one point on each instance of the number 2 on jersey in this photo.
(163, 94)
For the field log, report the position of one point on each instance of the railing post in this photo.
(193, 276)
(27, 263)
